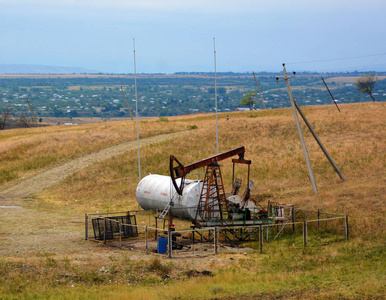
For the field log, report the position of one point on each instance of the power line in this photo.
(351, 68)
(335, 59)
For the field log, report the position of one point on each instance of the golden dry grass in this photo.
(24, 152)
(354, 138)
(349, 270)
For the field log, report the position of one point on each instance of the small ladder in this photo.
(167, 207)
(165, 212)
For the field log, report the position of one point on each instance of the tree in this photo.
(4, 117)
(366, 84)
(249, 99)
(26, 121)
(222, 91)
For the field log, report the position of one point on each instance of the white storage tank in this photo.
(154, 192)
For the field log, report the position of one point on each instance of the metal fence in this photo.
(121, 230)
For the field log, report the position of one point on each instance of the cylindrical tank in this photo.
(155, 191)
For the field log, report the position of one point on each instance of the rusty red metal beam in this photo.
(180, 171)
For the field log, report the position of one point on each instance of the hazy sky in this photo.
(177, 35)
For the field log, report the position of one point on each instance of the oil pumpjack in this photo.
(214, 207)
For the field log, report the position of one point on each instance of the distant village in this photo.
(74, 97)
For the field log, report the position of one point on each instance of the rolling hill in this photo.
(41, 235)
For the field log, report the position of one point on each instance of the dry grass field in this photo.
(43, 254)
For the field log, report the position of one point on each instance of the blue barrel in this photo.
(162, 246)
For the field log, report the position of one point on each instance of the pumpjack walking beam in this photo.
(180, 171)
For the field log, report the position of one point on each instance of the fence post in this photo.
(215, 240)
(170, 245)
(156, 228)
(120, 234)
(104, 229)
(346, 228)
(193, 232)
(86, 226)
(261, 238)
(318, 219)
(305, 233)
(293, 219)
(147, 242)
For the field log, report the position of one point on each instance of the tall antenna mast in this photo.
(136, 111)
(215, 91)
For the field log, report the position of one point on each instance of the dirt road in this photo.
(25, 187)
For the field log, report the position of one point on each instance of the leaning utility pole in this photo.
(296, 109)
(319, 142)
(286, 78)
(261, 96)
(32, 112)
(332, 97)
(127, 103)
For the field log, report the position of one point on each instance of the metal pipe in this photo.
(86, 226)
(147, 241)
(346, 228)
(120, 234)
(105, 227)
(215, 240)
(215, 91)
(293, 218)
(318, 220)
(170, 243)
(305, 233)
(136, 111)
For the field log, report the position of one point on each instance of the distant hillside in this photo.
(40, 69)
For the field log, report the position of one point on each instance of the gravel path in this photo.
(47, 178)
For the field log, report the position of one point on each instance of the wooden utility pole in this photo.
(286, 78)
(319, 143)
(30, 108)
(127, 103)
(258, 88)
(332, 97)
